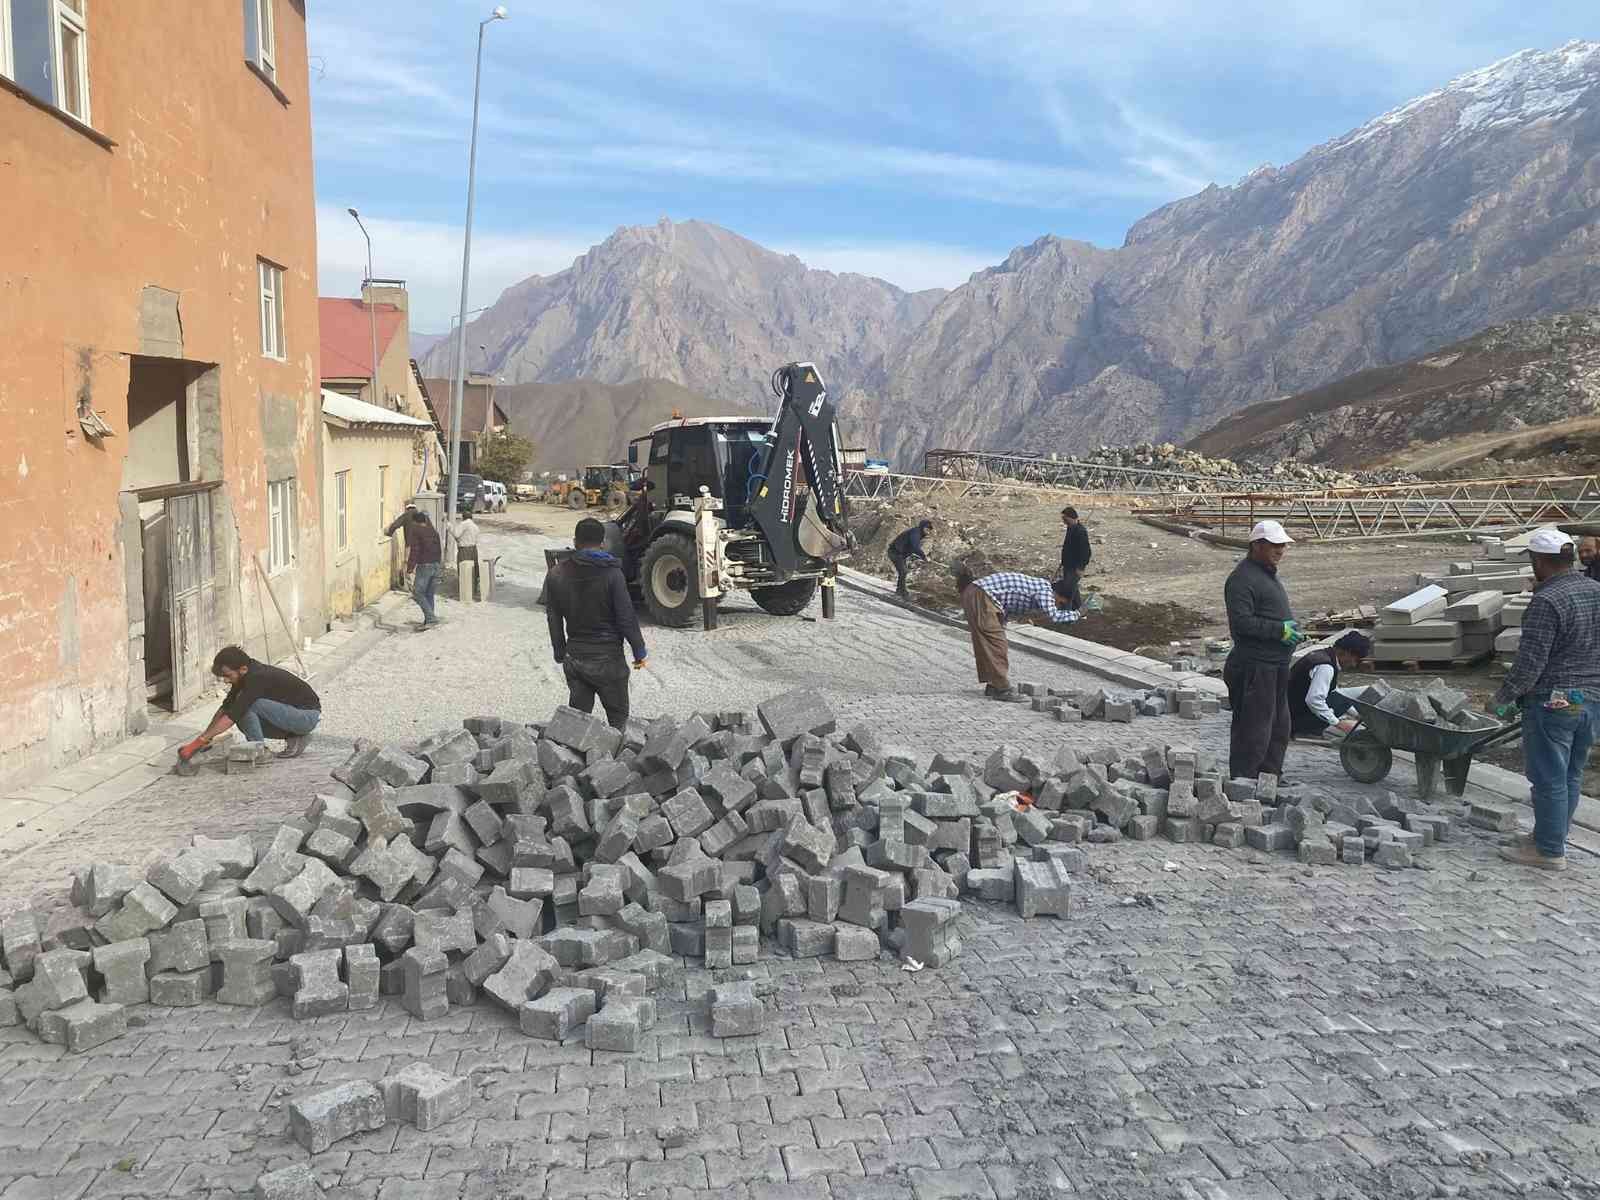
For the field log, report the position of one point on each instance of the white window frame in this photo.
(269, 278)
(341, 495)
(280, 525)
(383, 496)
(266, 59)
(65, 14)
(6, 68)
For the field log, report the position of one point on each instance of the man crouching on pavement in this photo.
(590, 613)
(987, 602)
(264, 701)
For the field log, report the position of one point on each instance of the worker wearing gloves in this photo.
(904, 548)
(590, 615)
(264, 701)
(987, 603)
(1316, 705)
(1555, 680)
(1257, 671)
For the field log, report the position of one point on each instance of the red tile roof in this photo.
(347, 335)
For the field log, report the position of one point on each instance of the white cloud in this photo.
(908, 265)
(427, 255)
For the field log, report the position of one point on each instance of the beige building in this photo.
(367, 452)
(349, 328)
(481, 414)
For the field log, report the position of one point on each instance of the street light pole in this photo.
(372, 317)
(499, 14)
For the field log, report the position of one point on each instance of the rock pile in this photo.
(1226, 473)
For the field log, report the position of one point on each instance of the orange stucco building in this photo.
(160, 429)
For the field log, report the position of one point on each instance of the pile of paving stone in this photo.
(1089, 704)
(555, 870)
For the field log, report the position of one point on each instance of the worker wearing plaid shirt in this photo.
(1556, 681)
(987, 603)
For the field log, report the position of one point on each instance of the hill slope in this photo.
(574, 424)
(1509, 379)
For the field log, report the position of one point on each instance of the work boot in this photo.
(294, 746)
(1008, 696)
(1532, 856)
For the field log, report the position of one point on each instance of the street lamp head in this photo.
(499, 14)
(353, 213)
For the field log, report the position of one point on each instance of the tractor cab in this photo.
(721, 454)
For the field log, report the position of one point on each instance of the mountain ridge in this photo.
(1463, 208)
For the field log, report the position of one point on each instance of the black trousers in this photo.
(604, 675)
(469, 554)
(1071, 578)
(900, 562)
(1259, 734)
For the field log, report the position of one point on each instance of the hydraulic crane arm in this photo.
(800, 507)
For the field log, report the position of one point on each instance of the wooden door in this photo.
(192, 596)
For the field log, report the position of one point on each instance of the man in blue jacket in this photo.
(904, 548)
(590, 615)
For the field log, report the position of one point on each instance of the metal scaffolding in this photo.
(1079, 475)
(1351, 514)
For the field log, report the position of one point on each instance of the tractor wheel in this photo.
(667, 578)
(786, 599)
(576, 499)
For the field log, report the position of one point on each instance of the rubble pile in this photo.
(1166, 456)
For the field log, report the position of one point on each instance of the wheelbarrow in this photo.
(1367, 751)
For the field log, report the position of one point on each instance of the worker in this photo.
(635, 524)
(1316, 706)
(988, 602)
(263, 701)
(1589, 556)
(906, 546)
(1555, 681)
(590, 615)
(402, 524)
(1257, 669)
(1075, 554)
(424, 541)
(465, 533)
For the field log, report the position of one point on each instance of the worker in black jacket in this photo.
(590, 615)
(1075, 554)
(904, 548)
(1257, 670)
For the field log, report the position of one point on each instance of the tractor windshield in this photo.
(596, 479)
(739, 456)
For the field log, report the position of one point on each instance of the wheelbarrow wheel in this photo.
(1364, 758)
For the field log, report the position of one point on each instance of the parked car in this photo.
(470, 494)
(497, 498)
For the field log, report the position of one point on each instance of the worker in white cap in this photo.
(1555, 681)
(1257, 671)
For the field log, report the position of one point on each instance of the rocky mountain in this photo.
(1468, 207)
(581, 422)
(1513, 379)
(695, 304)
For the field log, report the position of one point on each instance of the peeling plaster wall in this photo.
(148, 247)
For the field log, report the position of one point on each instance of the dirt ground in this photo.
(1153, 597)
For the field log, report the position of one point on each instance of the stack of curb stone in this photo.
(557, 869)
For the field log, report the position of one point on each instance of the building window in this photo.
(44, 49)
(260, 38)
(341, 488)
(383, 496)
(280, 525)
(271, 309)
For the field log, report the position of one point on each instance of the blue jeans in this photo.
(422, 589)
(274, 719)
(1555, 749)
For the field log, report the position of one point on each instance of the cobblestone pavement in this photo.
(1212, 1023)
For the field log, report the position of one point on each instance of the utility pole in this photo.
(372, 316)
(499, 14)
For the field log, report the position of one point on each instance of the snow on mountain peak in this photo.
(1527, 86)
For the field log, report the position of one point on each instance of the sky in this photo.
(918, 142)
